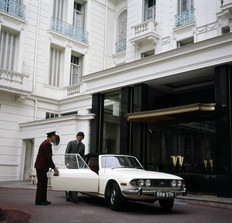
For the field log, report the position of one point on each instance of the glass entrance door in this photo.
(187, 150)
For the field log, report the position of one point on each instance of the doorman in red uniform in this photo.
(42, 164)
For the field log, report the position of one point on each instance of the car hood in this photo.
(144, 174)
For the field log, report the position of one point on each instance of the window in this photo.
(185, 13)
(55, 59)
(75, 70)
(7, 50)
(51, 115)
(121, 32)
(78, 15)
(148, 53)
(225, 29)
(185, 5)
(185, 42)
(150, 8)
(58, 9)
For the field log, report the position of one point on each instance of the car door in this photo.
(81, 178)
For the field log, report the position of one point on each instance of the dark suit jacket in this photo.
(44, 158)
(72, 147)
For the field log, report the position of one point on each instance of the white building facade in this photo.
(91, 65)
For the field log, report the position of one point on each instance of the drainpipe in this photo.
(105, 32)
(35, 60)
(36, 48)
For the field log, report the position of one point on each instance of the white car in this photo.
(118, 178)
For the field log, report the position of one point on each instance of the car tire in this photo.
(166, 204)
(117, 201)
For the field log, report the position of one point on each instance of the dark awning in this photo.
(185, 113)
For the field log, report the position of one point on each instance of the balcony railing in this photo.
(13, 7)
(13, 80)
(73, 89)
(69, 30)
(120, 45)
(185, 18)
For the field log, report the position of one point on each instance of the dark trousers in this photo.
(41, 192)
(71, 195)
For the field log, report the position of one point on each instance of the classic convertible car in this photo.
(117, 178)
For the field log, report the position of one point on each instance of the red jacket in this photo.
(44, 158)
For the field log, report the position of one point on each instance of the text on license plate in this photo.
(164, 194)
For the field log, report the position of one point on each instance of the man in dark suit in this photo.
(74, 147)
(42, 164)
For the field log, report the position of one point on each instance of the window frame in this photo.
(79, 65)
(10, 58)
(146, 8)
(55, 78)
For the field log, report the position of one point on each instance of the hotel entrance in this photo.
(181, 140)
(187, 150)
(181, 127)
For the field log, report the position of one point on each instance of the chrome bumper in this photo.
(140, 191)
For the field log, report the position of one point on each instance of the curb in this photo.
(210, 201)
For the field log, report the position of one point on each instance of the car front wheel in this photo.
(166, 205)
(117, 200)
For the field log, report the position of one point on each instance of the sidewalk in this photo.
(206, 200)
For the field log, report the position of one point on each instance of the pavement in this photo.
(17, 206)
(206, 200)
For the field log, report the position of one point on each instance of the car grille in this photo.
(160, 183)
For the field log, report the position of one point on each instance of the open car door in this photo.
(77, 178)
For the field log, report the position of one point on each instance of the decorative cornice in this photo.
(113, 79)
(56, 120)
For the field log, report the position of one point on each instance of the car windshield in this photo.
(75, 161)
(120, 162)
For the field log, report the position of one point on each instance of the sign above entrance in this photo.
(184, 113)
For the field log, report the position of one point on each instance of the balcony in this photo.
(13, 8)
(15, 82)
(69, 30)
(143, 32)
(73, 89)
(226, 8)
(184, 18)
(120, 45)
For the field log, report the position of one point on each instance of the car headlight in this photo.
(141, 183)
(147, 183)
(179, 183)
(173, 183)
(133, 183)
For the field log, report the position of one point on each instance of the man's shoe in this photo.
(41, 203)
(75, 201)
(69, 199)
(48, 202)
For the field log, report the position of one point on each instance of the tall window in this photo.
(121, 32)
(185, 5)
(78, 15)
(75, 70)
(58, 9)
(7, 50)
(150, 8)
(185, 13)
(55, 59)
(111, 128)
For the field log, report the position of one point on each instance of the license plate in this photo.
(165, 194)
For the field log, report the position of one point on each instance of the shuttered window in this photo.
(54, 75)
(7, 50)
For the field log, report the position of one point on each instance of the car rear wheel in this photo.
(117, 201)
(166, 205)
